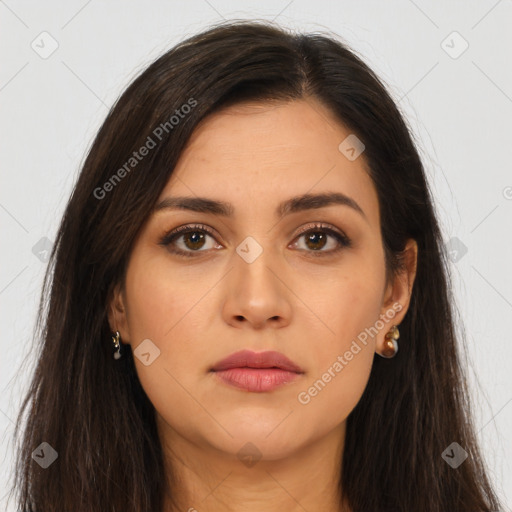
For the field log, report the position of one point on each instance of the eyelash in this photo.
(170, 237)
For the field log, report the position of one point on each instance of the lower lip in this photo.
(257, 380)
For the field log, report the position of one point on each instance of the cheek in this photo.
(169, 307)
(162, 299)
(327, 399)
(160, 306)
(344, 357)
(345, 307)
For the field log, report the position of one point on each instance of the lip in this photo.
(257, 371)
(250, 359)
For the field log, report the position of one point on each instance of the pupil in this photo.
(316, 235)
(195, 238)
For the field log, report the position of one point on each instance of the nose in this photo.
(256, 295)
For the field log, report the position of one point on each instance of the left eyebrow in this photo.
(292, 205)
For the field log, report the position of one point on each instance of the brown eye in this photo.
(317, 238)
(193, 239)
(187, 240)
(190, 240)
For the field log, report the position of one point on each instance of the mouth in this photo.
(257, 372)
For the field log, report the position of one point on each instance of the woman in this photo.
(248, 306)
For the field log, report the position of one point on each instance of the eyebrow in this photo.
(291, 205)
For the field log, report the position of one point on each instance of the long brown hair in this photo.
(92, 409)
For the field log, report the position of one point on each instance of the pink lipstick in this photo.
(257, 372)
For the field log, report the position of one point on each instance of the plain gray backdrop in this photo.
(447, 65)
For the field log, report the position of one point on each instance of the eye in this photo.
(190, 239)
(193, 236)
(316, 237)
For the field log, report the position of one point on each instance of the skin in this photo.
(198, 310)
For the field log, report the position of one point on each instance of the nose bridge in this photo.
(255, 291)
(254, 260)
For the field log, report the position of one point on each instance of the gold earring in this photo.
(117, 345)
(390, 344)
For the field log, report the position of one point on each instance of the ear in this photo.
(117, 317)
(397, 295)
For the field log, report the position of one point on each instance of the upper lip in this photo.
(249, 359)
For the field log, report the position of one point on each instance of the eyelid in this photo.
(174, 233)
(321, 225)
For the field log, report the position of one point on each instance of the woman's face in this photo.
(261, 278)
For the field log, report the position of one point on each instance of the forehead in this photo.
(254, 155)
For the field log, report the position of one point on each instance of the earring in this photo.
(117, 345)
(390, 343)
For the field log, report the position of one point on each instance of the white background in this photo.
(459, 110)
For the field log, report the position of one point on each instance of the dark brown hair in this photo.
(92, 409)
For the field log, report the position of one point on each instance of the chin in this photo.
(273, 434)
(250, 446)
